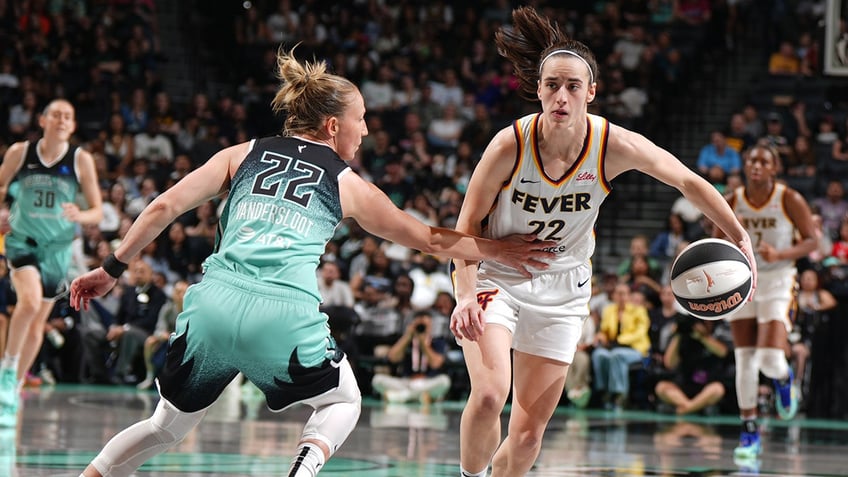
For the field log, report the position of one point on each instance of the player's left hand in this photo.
(521, 251)
(71, 211)
(748, 249)
(90, 285)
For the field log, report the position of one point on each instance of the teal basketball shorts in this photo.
(274, 335)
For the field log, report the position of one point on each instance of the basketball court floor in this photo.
(64, 427)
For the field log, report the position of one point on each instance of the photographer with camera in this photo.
(697, 356)
(417, 358)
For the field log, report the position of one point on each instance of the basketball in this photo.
(711, 278)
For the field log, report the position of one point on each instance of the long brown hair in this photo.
(308, 94)
(532, 38)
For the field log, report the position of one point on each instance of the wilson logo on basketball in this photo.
(717, 306)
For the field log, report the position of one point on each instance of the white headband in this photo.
(569, 52)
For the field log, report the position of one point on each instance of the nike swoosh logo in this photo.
(580, 284)
(525, 181)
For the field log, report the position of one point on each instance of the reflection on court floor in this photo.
(63, 428)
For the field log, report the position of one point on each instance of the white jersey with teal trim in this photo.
(769, 224)
(561, 209)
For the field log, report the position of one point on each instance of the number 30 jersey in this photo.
(283, 208)
(41, 189)
(561, 209)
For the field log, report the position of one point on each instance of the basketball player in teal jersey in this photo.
(546, 174)
(43, 219)
(781, 227)
(256, 309)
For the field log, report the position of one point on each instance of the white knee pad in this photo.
(747, 377)
(133, 446)
(773, 363)
(336, 411)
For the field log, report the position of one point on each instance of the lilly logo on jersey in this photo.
(586, 176)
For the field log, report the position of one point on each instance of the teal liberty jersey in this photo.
(36, 212)
(282, 209)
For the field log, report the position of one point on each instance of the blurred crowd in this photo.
(436, 92)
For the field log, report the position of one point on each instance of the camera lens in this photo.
(420, 327)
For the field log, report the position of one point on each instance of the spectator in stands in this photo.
(697, 355)
(419, 359)
(136, 113)
(23, 117)
(639, 247)
(430, 278)
(379, 91)
(690, 215)
(118, 146)
(444, 131)
(663, 247)
(125, 332)
(407, 94)
(164, 114)
(833, 207)
(622, 340)
(380, 321)
(640, 280)
(448, 90)
(775, 135)
(155, 147)
(718, 153)
(796, 123)
(784, 61)
(840, 145)
(334, 290)
(738, 137)
(664, 319)
(753, 122)
(802, 162)
(147, 191)
(840, 246)
(166, 323)
(814, 303)
(826, 133)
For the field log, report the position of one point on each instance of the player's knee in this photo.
(27, 306)
(171, 425)
(772, 362)
(489, 399)
(528, 440)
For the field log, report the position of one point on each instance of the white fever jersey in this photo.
(562, 209)
(768, 223)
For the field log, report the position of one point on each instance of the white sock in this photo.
(465, 473)
(10, 362)
(307, 462)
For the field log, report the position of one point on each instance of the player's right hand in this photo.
(90, 285)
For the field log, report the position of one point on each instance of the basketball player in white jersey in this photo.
(546, 174)
(781, 228)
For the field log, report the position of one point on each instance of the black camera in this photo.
(420, 328)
